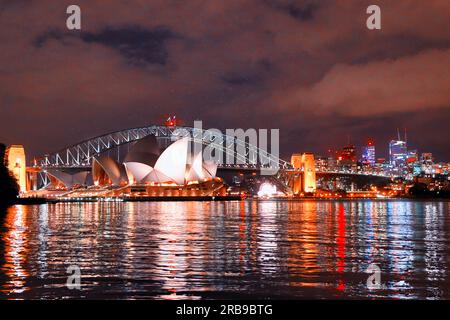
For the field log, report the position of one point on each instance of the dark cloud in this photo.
(250, 75)
(138, 45)
(42, 39)
(302, 11)
(240, 79)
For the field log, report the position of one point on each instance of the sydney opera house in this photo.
(144, 169)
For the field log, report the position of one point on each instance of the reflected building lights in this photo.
(16, 249)
(170, 264)
(303, 246)
(435, 253)
(43, 241)
(267, 235)
(340, 240)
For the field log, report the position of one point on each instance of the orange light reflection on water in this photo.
(15, 251)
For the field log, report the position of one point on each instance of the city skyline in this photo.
(309, 69)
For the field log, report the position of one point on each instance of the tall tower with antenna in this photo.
(398, 152)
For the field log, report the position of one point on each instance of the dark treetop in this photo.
(8, 185)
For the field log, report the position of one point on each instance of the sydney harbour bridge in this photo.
(234, 155)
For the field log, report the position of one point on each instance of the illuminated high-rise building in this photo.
(368, 156)
(426, 160)
(398, 153)
(348, 153)
(412, 156)
(15, 158)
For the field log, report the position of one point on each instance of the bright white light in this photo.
(267, 190)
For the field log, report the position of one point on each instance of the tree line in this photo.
(9, 189)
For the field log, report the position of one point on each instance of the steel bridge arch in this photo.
(81, 154)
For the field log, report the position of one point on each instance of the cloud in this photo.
(406, 84)
(138, 45)
(300, 10)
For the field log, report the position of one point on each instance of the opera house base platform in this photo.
(209, 190)
(37, 201)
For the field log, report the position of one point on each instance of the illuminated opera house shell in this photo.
(144, 164)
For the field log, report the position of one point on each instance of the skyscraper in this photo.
(412, 156)
(426, 160)
(368, 156)
(398, 153)
(348, 153)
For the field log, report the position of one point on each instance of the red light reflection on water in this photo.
(341, 246)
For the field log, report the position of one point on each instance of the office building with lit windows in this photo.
(368, 155)
(398, 153)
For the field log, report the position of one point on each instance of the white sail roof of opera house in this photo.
(137, 170)
(211, 168)
(69, 179)
(196, 170)
(114, 170)
(143, 164)
(172, 162)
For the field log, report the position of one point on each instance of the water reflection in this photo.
(177, 250)
(15, 248)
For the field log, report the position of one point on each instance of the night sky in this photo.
(310, 68)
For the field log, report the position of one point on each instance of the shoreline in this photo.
(38, 201)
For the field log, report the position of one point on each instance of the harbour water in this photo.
(228, 250)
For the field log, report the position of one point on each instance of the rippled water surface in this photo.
(248, 249)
